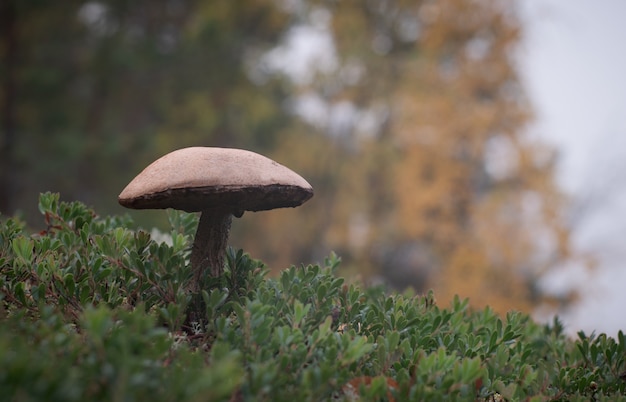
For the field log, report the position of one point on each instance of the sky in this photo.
(573, 63)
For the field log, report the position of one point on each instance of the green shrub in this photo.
(92, 310)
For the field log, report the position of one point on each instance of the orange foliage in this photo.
(447, 192)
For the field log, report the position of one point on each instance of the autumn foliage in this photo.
(443, 188)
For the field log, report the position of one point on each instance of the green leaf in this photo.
(300, 310)
(621, 339)
(357, 348)
(324, 328)
(23, 249)
(48, 203)
(20, 294)
(70, 284)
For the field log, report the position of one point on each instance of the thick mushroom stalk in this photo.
(219, 183)
(209, 246)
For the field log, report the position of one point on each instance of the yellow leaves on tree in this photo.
(448, 192)
(468, 182)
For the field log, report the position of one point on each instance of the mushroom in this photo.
(219, 183)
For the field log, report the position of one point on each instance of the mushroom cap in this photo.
(202, 178)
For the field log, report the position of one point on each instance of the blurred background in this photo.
(451, 144)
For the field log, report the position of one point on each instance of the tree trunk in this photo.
(7, 137)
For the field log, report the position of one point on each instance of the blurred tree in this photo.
(101, 88)
(434, 182)
(8, 49)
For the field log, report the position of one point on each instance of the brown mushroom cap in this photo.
(201, 178)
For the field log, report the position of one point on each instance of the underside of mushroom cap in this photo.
(201, 178)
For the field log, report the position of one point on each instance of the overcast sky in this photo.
(574, 65)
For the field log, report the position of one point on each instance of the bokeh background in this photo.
(451, 143)
(572, 62)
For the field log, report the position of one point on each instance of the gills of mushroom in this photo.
(218, 183)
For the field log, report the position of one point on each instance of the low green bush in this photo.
(91, 310)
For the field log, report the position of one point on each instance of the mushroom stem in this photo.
(209, 246)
